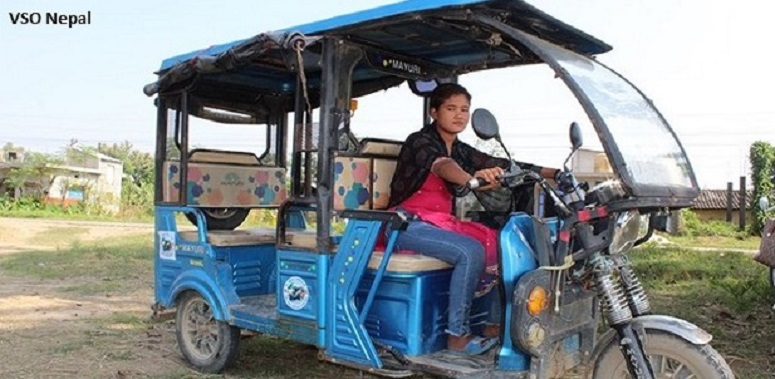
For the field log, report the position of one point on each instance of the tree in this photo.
(37, 170)
(137, 189)
(762, 156)
(10, 146)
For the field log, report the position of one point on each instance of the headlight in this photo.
(626, 232)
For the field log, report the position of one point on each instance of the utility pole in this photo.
(742, 203)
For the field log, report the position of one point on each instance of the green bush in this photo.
(694, 227)
(762, 157)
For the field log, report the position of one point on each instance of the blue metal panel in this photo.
(517, 258)
(322, 26)
(410, 310)
(346, 336)
(252, 268)
(298, 293)
(324, 303)
(218, 293)
(181, 265)
(290, 328)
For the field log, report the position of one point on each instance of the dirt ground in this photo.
(48, 332)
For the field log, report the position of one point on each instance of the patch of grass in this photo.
(59, 215)
(725, 293)
(110, 260)
(274, 358)
(693, 226)
(124, 321)
(90, 289)
(120, 355)
(741, 242)
(730, 279)
(61, 236)
(72, 345)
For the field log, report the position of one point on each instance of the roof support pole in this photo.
(337, 63)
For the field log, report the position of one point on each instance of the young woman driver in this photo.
(429, 162)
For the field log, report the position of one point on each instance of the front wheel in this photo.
(670, 356)
(208, 344)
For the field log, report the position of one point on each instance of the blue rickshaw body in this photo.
(345, 307)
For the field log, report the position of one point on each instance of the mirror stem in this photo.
(498, 138)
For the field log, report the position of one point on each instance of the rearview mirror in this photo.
(485, 125)
(576, 139)
(764, 204)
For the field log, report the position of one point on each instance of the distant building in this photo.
(12, 158)
(84, 176)
(92, 177)
(711, 205)
(591, 166)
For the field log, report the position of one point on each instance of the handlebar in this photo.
(475, 183)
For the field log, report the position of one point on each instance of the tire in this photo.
(671, 357)
(207, 344)
(221, 218)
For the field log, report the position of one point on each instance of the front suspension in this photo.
(617, 305)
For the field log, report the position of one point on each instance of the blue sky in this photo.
(704, 64)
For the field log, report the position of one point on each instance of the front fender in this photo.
(199, 281)
(676, 326)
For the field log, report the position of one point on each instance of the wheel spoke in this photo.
(200, 329)
(657, 363)
(207, 346)
(683, 372)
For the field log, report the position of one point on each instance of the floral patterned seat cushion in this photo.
(224, 185)
(362, 182)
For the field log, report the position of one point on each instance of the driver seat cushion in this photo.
(407, 262)
(240, 237)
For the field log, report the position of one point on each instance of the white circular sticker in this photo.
(295, 293)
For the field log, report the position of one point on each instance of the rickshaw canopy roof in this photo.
(441, 36)
(435, 39)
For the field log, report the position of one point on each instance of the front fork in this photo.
(622, 296)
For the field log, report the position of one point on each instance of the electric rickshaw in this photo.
(562, 274)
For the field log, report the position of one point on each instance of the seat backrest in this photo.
(226, 180)
(226, 157)
(362, 180)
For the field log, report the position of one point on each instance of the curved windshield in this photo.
(650, 154)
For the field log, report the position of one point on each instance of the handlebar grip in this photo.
(475, 183)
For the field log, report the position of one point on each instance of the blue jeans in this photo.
(464, 253)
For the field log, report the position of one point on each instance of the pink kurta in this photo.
(432, 203)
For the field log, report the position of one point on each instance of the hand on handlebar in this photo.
(486, 178)
(475, 183)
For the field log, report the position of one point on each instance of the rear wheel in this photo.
(671, 357)
(207, 344)
(221, 218)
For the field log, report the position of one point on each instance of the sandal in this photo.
(477, 345)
